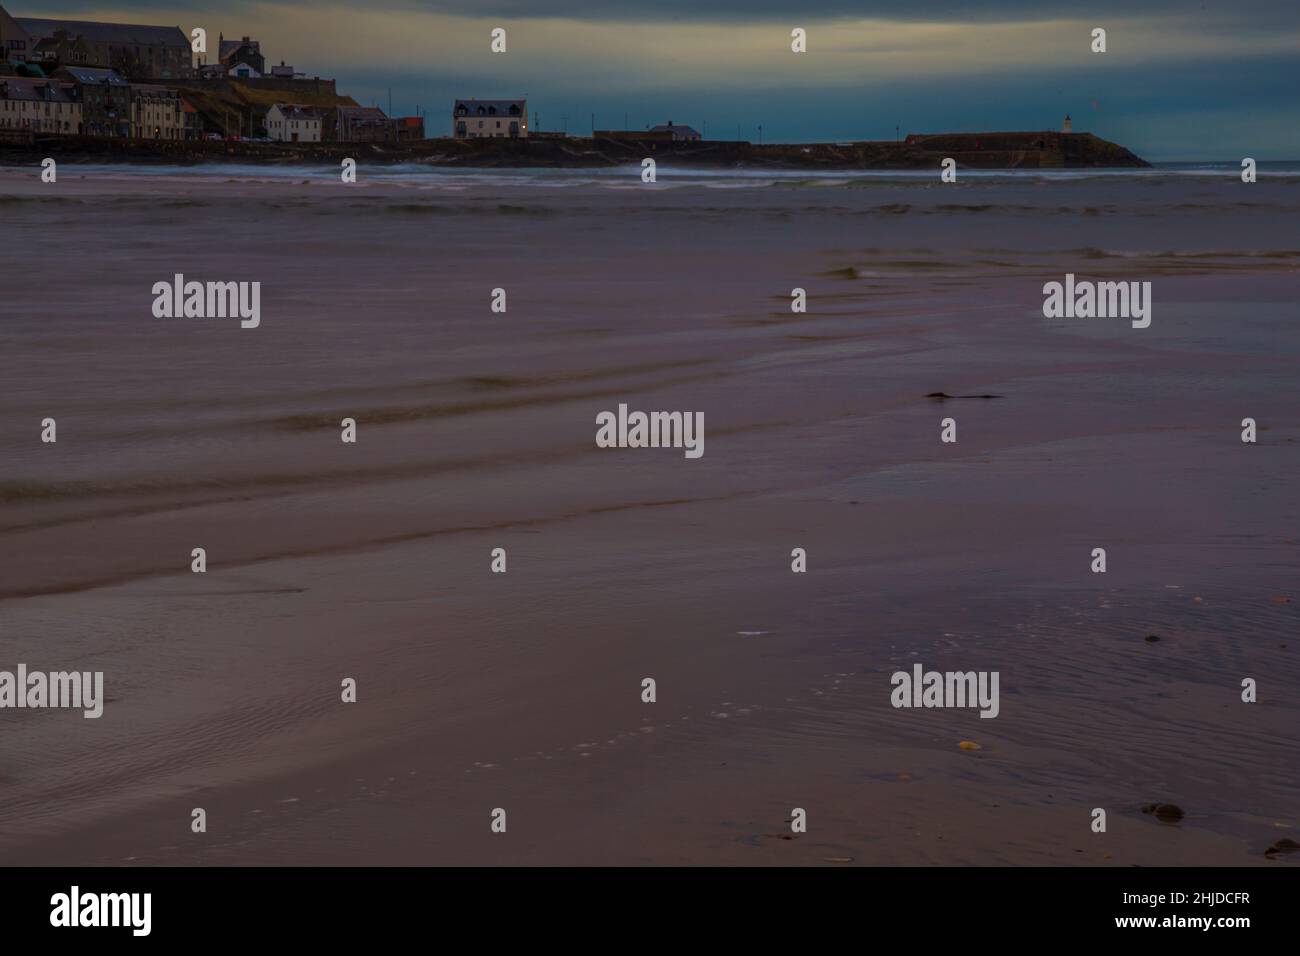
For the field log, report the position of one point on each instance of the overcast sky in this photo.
(1181, 79)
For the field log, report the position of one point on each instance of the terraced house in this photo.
(105, 100)
(39, 106)
(156, 112)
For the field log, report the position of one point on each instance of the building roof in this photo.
(674, 128)
(91, 74)
(296, 111)
(5, 18)
(52, 45)
(25, 88)
(492, 107)
(362, 112)
(132, 34)
(231, 46)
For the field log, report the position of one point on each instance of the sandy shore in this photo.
(522, 691)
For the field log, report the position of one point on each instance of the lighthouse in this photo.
(1067, 126)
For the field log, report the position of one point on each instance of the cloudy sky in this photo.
(1181, 79)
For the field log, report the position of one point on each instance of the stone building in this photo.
(246, 51)
(62, 48)
(359, 124)
(15, 43)
(135, 51)
(407, 129)
(105, 100)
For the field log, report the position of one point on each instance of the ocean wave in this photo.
(40, 200)
(466, 209)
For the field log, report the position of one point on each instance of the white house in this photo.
(504, 119)
(243, 71)
(290, 123)
(680, 134)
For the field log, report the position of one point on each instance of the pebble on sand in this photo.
(1283, 845)
(1164, 812)
(969, 745)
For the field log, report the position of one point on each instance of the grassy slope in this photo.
(220, 108)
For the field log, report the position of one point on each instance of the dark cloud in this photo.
(917, 10)
(1243, 12)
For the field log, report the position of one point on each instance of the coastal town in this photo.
(88, 90)
(138, 81)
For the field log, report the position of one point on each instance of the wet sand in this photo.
(476, 431)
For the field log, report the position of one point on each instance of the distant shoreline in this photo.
(1007, 150)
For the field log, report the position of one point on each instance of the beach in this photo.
(476, 430)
